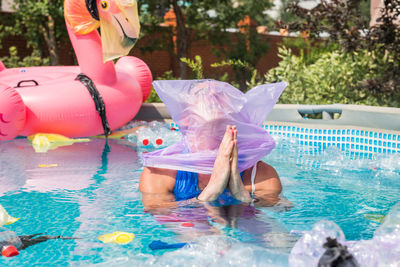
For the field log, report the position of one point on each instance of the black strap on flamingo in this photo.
(98, 101)
(91, 6)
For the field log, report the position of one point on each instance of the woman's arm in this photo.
(156, 186)
(157, 180)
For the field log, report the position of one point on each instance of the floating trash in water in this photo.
(336, 255)
(219, 250)
(5, 218)
(154, 135)
(187, 224)
(381, 250)
(9, 243)
(47, 165)
(158, 244)
(121, 133)
(309, 249)
(42, 142)
(374, 217)
(117, 237)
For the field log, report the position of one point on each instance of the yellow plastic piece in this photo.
(119, 134)
(47, 165)
(5, 218)
(374, 217)
(117, 237)
(42, 142)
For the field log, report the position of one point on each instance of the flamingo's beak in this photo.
(119, 26)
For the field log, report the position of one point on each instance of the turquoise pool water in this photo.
(89, 189)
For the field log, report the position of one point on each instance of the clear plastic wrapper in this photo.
(382, 250)
(9, 238)
(154, 135)
(309, 249)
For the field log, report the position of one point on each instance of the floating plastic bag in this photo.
(42, 142)
(382, 250)
(309, 248)
(9, 243)
(5, 218)
(203, 109)
(336, 254)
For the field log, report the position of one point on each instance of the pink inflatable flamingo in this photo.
(94, 97)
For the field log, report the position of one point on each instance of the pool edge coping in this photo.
(352, 116)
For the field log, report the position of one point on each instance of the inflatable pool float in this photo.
(95, 97)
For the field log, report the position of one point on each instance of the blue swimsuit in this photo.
(187, 186)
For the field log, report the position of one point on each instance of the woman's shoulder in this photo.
(262, 168)
(266, 176)
(266, 170)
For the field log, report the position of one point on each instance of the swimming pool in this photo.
(89, 189)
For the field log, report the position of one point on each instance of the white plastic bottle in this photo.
(145, 137)
(9, 242)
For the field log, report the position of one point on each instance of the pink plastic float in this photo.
(52, 100)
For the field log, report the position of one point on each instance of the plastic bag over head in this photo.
(202, 109)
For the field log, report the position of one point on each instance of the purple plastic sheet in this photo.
(202, 109)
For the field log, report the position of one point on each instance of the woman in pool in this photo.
(261, 180)
(221, 148)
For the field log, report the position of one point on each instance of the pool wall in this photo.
(351, 127)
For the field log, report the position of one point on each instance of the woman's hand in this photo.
(221, 170)
(235, 182)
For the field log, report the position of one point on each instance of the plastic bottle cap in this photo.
(145, 142)
(123, 238)
(9, 251)
(159, 141)
(117, 237)
(173, 129)
(187, 224)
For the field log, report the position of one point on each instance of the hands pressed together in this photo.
(225, 171)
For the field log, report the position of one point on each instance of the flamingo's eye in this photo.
(105, 5)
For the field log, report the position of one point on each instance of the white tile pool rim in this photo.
(354, 139)
(362, 129)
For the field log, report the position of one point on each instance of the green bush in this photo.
(335, 77)
(14, 61)
(196, 66)
(359, 64)
(153, 97)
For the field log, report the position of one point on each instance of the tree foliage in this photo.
(341, 20)
(42, 24)
(210, 20)
(334, 77)
(376, 82)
